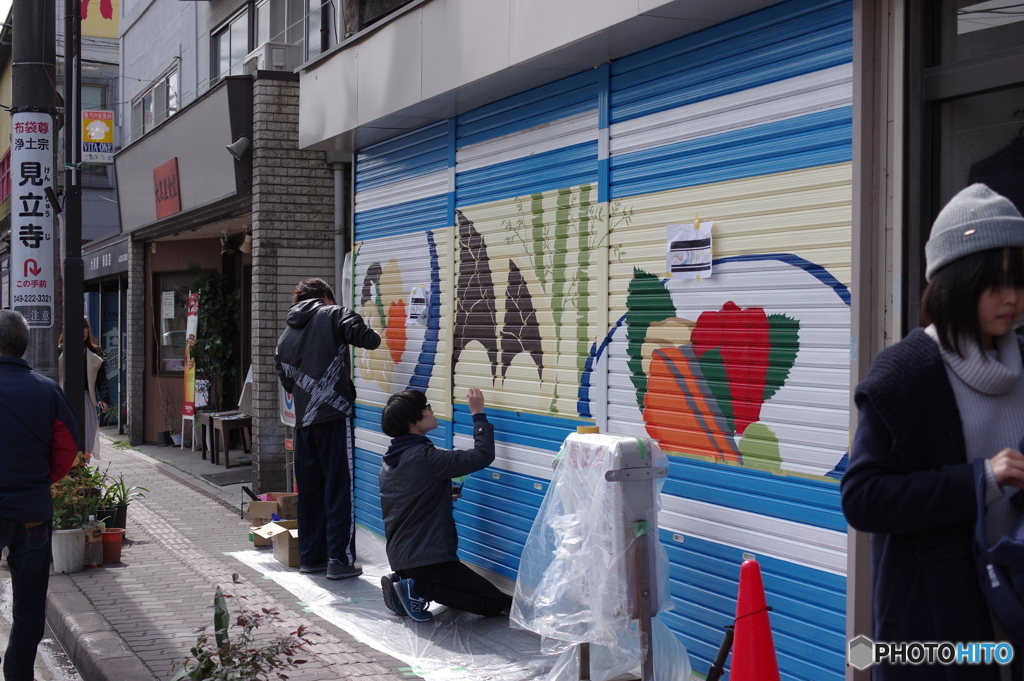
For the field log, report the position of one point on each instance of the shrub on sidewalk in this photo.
(223, 659)
(76, 496)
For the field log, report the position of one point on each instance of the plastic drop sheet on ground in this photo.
(455, 645)
(578, 573)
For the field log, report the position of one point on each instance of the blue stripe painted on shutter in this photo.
(566, 97)
(368, 416)
(494, 518)
(808, 624)
(804, 501)
(522, 428)
(419, 152)
(565, 167)
(403, 218)
(803, 142)
(367, 494)
(792, 39)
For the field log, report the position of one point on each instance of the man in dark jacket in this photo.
(312, 361)
(416, 497)
(40, 444)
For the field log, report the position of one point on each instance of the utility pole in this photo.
(75, 383)
(33, 171)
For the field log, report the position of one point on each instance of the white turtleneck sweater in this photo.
(990, 396)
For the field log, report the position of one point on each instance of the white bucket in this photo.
(68, 550)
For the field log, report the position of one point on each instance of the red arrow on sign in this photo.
(34, 269)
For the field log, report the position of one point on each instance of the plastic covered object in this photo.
(577, 576)
(671, 660)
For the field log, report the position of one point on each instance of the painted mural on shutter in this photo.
(742, 377)
(563, 312)
(401, 235)
(527, 225)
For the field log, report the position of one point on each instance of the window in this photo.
(5, 176)
(965, 93)
(263, 23)
(94, 97)
(155, 106)
(170, 314)
(230, 47)
(308, 23)
(318, 27)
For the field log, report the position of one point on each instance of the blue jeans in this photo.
(29, 560)
(323, 471)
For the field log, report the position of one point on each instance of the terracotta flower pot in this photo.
(112, 540)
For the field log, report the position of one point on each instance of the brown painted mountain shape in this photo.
(521, 331)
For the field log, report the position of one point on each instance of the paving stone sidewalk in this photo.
(174, 558)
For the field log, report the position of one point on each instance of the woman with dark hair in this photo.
(97, 391)
(943, 397)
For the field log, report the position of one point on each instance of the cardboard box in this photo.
(284, 535)
(284, 504)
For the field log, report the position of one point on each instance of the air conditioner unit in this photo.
(273, 57)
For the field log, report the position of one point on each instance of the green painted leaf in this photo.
(784, 338)
(648, 301)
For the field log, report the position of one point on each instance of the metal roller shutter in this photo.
(554, 264)
(401, 233)
(741, 376)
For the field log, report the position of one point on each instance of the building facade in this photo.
(693, 222)
(258, 216)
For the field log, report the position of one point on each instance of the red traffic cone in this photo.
(753, 651)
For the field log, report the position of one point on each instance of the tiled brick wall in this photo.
(293, 238)
(136, 354)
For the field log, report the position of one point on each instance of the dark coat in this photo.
(312, 359)
(40, 440)
(416, 495)
(910, 484)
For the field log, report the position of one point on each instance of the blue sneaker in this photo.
(414, 604)
(387, 587)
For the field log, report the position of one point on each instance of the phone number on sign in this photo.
(33, 298)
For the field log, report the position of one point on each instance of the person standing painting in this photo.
(312, 361)
(40, 444)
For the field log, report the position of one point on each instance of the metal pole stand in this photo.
(637, 476)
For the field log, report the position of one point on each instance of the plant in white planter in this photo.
(75, 498)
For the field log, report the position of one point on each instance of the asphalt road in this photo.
(51, 662)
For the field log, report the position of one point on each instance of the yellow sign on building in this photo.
(99, 18)
(97, 136)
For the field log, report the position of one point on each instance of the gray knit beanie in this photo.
(974, 220)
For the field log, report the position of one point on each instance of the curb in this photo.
(91, 643)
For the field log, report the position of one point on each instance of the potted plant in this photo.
(217, 341)
(242, 657)
(117, 494)
(75, 498)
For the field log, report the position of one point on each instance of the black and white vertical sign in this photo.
(32, 275)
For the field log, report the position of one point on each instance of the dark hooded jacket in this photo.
(416, 495)
(312, 359)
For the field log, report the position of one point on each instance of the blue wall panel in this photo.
(419, 152)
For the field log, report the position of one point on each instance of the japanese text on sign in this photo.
(32, 276)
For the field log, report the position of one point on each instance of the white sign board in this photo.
(168, 305)
(688, 251)
(32, 275)
(287, 411)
